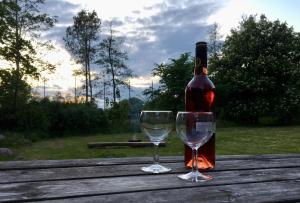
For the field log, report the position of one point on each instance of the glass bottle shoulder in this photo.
(201, 82)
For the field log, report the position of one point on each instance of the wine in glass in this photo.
(156, 125)
(195, 129)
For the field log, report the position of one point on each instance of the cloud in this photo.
(152, 34)
(62, 9)
(116, 22)
(173, 29)
(136, 12)
(64, 12)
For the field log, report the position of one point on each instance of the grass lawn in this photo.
(230, 140)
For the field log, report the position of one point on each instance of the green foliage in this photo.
(257, 74)
(32, 117)
(21, 23)
(7, 83)
(118, 116)
(174, 77)
(7, 79)
(136, 105)
(4, 11)
(45, 118)
(124, 116)
(268, 121)
(56, 118)
(79, 118)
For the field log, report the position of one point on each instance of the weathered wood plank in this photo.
(100, 186)
(278, 191)
(6, 165)
(10, 165)
(13, 176)
(122, 144)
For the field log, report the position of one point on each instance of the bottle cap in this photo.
(201, 44)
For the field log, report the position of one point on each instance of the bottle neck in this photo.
(200, 67)
(201, 59)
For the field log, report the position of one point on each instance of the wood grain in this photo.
(46, 190)
(10, 165)
(15, 176)
(122, 144)
(240, 178)
(283, 191)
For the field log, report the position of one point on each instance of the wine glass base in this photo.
(156, 168)
(195, 177)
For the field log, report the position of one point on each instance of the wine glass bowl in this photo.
(156, 125)
(195, 129)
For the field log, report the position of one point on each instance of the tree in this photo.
(22, 22)
(7, 79)
(214, 46)
(4, 11)
(76, 73)
(257, 74)
(112, 58)
(174, 77)
(101, 85)
(81, 40)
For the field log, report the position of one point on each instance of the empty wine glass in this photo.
(156, 125)
(195, 129)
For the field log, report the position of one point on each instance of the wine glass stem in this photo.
(156, 155)
(193, 160)
(196, 157)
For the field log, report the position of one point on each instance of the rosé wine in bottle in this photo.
(200, 97)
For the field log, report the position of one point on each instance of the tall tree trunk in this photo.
(86, 84)
(104, 94)
(114, 84)
(17, 62)
(75, 90)
(86, 73)
(112, 67)
(90, 81)
(16, 83)
(89, 64)
(112, 74)
(129, 89)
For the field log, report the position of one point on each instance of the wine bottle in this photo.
(200, 96)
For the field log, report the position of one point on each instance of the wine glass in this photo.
(195, 129)
(156, 125)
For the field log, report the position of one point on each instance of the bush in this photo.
(268, 121)
(75, 118)
(257, 73)
(118, 116)
(32, 117)
(51, 117)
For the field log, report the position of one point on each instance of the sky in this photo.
(155, 30)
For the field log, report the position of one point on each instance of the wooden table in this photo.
(264, 178)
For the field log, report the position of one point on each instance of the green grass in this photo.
(231, 140)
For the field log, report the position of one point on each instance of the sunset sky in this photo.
(155, 30)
